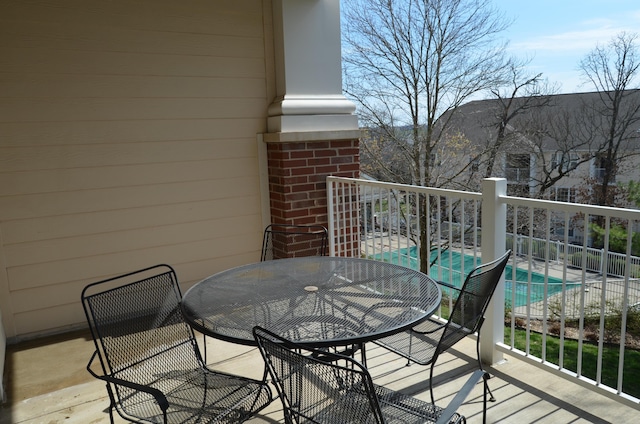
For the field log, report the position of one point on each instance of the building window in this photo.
(564, 194)
(601, 168)
(475, 164)
(558, 230)
(518, 167)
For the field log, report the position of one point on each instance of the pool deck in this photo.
(574, 304)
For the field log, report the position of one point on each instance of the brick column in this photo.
(297, 177)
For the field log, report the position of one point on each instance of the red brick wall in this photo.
(297, 177)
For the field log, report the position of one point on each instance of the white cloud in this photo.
(589, 34)
(568, 41)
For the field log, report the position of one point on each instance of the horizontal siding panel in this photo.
(52, 308)
(105, 109)
(16, 159)
(87, 268)
(46, 309)
(236, 17)
(35, 86)
(76, 225)
(44, 321)
(48, 297)
(98, 177)
(24, 134)
(28, 254)
(54, 36)
(67, 295)
(25, 254)
(42, 205)
(17, 60)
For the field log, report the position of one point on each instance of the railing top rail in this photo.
(632, 214)
(408, 187)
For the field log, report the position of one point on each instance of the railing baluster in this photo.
(563, 307)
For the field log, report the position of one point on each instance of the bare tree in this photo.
(408, 63)
(613, 70)
(504, 123)
(522, 94)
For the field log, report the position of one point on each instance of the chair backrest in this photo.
(313, 387)
(138, 327)
(287, 241)
(469, 309)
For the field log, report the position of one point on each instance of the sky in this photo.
(557, 34)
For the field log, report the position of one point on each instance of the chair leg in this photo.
(204, 343)
(487, 376)
(485, 380)
(433, 401)
(112, 403)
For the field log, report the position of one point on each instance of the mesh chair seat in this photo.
(324, 387)
(419, 344)
(397, 407)
(354, 407)
(150, 360)
(197, 396)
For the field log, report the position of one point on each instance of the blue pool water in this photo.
(450, 270)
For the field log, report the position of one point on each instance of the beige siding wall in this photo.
(127, 138)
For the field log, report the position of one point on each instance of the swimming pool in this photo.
(452, 270)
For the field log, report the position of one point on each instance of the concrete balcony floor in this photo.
(47, 382)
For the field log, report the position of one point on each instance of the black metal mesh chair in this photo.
(317, 386)
(425, 342)
(304, 240)
(150, 360)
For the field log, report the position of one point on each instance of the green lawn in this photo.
(610, 356)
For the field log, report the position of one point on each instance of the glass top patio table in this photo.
(319, 301)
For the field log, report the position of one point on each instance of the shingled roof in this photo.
(479, 120)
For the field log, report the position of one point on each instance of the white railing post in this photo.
(331, 224)
(494, 237)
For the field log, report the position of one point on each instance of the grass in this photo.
(610, 357)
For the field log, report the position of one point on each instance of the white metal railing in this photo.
(554, 290)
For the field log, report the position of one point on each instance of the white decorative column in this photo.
(312, 129)
(308, 69)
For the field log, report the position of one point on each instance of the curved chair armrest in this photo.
(460, 397)
(160, 398)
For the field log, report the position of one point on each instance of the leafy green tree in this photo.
(617, 238)
(632, 189)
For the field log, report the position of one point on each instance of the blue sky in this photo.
(557, 34)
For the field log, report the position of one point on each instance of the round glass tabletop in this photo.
(319, 301)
